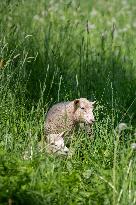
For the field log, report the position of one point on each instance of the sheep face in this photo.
(83, 111)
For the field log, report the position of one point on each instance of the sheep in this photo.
(63, 117)
(56, 144)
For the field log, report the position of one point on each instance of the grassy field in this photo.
(59, 50)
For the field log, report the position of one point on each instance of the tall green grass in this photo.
(56, 51)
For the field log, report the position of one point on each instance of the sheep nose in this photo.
(66, 150)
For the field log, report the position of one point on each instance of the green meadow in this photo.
(59, 50)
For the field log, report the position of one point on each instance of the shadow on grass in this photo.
(53, 75)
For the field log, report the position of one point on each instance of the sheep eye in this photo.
(82, 108)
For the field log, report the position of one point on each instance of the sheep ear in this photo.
(93, 103)
(76, 103)
(61, 134)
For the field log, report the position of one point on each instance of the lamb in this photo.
(56, 144)
(63, 117)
